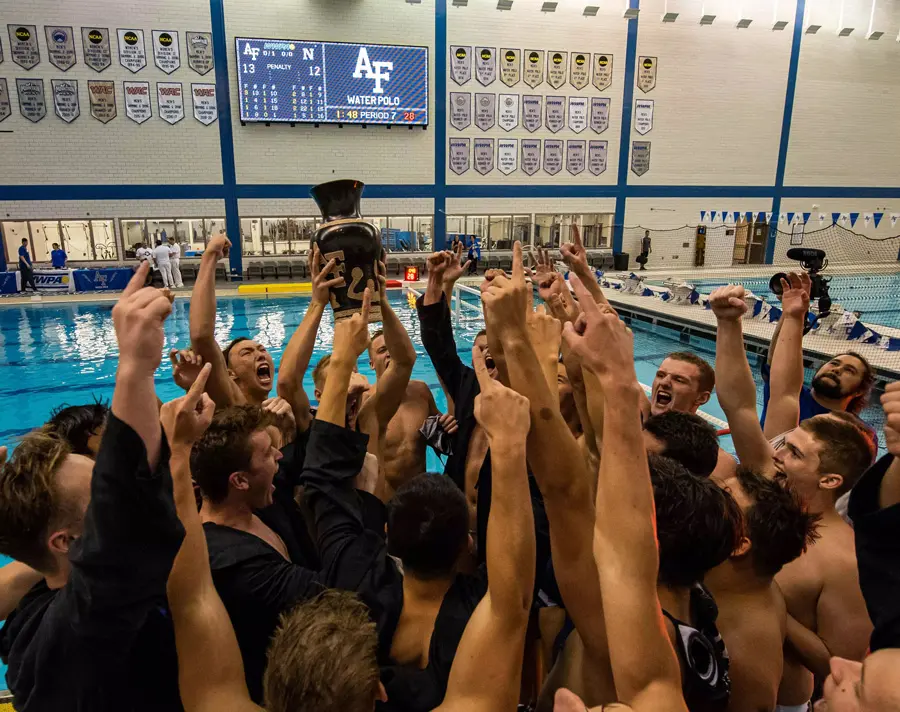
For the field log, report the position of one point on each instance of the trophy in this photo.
(353, 243)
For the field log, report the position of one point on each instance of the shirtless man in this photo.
(752, 613)
(822, 459)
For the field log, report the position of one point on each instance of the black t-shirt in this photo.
(105, 640)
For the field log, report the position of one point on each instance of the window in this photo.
(521, 229)
(190, 234)
(104, 237)
(422, 226)
(133, 234)
(214, 226)
(456, 225)
(499, 231)
(13, 234)
(251, 237)
(546, 230)
(595, 230)
(478, 226)
(43, 234)
(159, 229)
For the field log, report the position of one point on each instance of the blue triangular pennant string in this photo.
(835, 217)
(806, 217)
(790, 217)
(712, 215)
(877, 218)
(761, 217)
(853, 218)
(749, 216)
(702, 215)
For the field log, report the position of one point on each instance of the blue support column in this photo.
(439, 226)
(226, 139)
(625, 135)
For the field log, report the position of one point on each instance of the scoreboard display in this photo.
(332, 82)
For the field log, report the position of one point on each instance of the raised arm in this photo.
(644, 666)
(575, 257)
(786, 376)
(736, 389)
(487, 670)
(455, 268)
(220, 387)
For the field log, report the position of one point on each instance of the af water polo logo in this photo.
(461, 53)
(130, 38)
(60, 36)
(95, 36)
(557, 58)
(165, 39)
(23, 34)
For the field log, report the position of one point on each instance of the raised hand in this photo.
(448, 423)
(795, 294)
(382, 281)
(727, 303)
(455, 268)
(545, 333)
(351, 336)
(138, 318)
(185, 419)
(574, 254)
(321, 285)
(218, 246)
(507, 300)
(281, 410)
(438, 263)
(890, 401)
(499, 410)
(186, 366)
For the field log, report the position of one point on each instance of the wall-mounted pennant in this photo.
(748, 216)
(781, 217)
(725, 216)
(5, 103)
(485, 65)
(132, 52)
(578, 113)
(459, 155)
(643, 116)
(768, 218)
(603, 69)
(640, 157)
(822, 219)
(102, 96)
(646, 78)
(23, 45)
(575, 151)
(509, 111)
(702, 216)
(877, 218)
(790, 218)
(170, 100)
(460, 109)
(597, 152)
(853, 218)
(531, 156)
(553, 156)
(531, 112)
(484, 155)
(844, 218)
(65, 99)
(599, 114)
(507, 155)
(835, 217)
(166, 53)
(556, 69)
(894, 217)
(712, 215)
(556, 113)
(485, 111)
(867, 218)
(137, 101)
(31, 99)
(95, 44)
(534, 67)
(200, 51)
(580, 69)
(460, 63)
(60, 46)
(761, 217)
(806, 217)
(203, 96)
(510, 66)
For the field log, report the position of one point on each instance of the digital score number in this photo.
(332, 82)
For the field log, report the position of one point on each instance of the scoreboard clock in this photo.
(331, 82)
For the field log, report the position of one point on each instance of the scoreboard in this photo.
(331, 82)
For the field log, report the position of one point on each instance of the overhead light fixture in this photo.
(670, 17)
(873, 34)
(812, 29)
(591, 10)
(414, 2)
(631, 13)
(779, 25)
(549, 7)
(845, 31)
(504, 4)
(808, 26)
(460, 3)
(707, 19)
(743, 23)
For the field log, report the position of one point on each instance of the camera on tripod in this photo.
(813, 262)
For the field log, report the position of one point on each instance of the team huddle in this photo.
(586, 547)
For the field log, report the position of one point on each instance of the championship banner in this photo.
(531, 112)
(510, 66)
(531, 155)
(166, 53)
(509, 111)
(460, 63)
(485, 65)
(646, 78)
(643, 116)
(553, 156)
(137, 101)
(54, 280)
(200, 51)
(459, 155)
(170, 99)
(556, 113)
(484, 155)
(460, 110)
(578, 113)
(597, 151)
(485, 111)
(31, 99)
(65, 99)
(95, 44)
(640, 157)
(534, 67)
(507, 155)
(102, 97)
(5, 104)
(580, 69)
(23, 45)
(575, 157)
(556, 69)
(60, 46)
(603, 69)
(132, 53)
(206, 111)
(599, 114)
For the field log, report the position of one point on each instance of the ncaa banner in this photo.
(65, 99)
(531, 112)
(60, 46)
(580, 70)
(534, 67)
(460, 63)
(599, 114)
(55, 280)
(531, 155)
(200, 51)
(485, 65)
(575, 157)
(206, 111)
(31, 99)
(459, 155)
(137, 101)
(646, 79)
(643, 116)
(603, 68)
(166, 54)
(95, 44)
(509, 111)
(23, 45)
(578, 113)
(510, 66)
(485, 111)
(484, 155)
(102, 96)
(460, 109)
(553, 156)
(556, 69)
(5, 104)
(556, 113)
(132, 52)
(597, 152)
(170, 99)
(507, 155)
(640, 157)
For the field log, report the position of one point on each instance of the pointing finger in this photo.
(366, 305)
(198, 386)
(137, 280)
(585, 300)
(481, 371)
(518, 271)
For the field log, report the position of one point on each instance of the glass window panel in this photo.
(13, 232)
(422, 225)
(43, 234)
(500, 230)
(456, 224)
(521, 229)
(478, 226)
(159, 229)
(272, 229)
(189, 232)
(213, 226)
(76, 235)
(306, 231)
(546, 229)
(104, 236)
(251, 237)
(132, 234)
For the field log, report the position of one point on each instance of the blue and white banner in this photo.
(806, 217)
(107, 279)
(54, 280)
(877, 218)
(853, 218)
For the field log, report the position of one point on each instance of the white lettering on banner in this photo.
(170, 99)
(364, 68)
(507, 155)
(137, 101)
(204, 97)
(643, 116)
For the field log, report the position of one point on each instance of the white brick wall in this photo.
(255, 207)
(524, 206)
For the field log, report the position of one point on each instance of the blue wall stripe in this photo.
(226, 138)
(786, 127)
(625, 133)
(439, 226)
